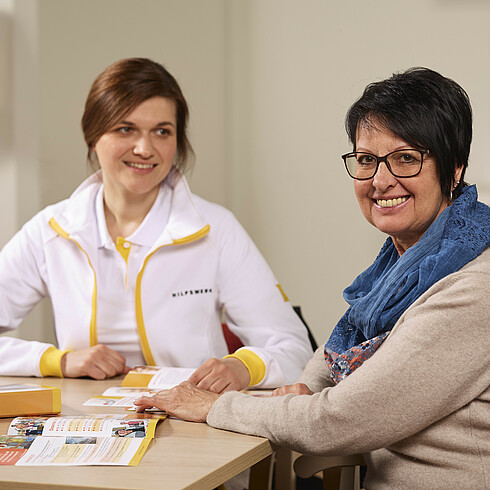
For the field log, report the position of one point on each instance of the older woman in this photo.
(137, 268)
(404, 377)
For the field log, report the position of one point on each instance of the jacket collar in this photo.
(185, 222)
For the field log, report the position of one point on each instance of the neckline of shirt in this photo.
(150, 228)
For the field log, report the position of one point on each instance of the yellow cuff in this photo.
(50, 363)
(254, 364)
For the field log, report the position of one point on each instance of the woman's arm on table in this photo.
(276, 345)
(419, 375)
(23, 284)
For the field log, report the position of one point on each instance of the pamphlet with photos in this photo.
(78, 440)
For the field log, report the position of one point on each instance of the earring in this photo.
(451, 193)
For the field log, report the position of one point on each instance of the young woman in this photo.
(138, 269)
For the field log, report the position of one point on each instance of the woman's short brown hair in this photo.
(123, 86)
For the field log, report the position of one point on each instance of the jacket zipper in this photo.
(140, 324)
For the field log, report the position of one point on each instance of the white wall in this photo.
(268, 82)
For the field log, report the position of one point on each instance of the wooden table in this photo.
(182, 455)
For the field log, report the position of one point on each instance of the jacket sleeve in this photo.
(257, 310)
(435, 361)
(22, 286)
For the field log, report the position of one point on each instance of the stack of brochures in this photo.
(25, 399)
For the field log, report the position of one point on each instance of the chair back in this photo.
(233, 341)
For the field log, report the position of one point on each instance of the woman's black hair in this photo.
(428, 111)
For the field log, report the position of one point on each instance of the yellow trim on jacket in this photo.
(140, 324)
(93, 320)
(254, 364)
(50, 362)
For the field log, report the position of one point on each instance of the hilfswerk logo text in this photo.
(191, 292)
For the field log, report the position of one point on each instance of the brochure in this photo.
(162, 378)
(119, 396)
(141, 380)
(154, 379)
(78, 440)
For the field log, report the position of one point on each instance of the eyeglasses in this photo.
(401, 163)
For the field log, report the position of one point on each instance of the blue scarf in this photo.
(380, 294)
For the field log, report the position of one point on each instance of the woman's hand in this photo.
(186, 401)
(98, 362)
(220, 375)
(296, 389)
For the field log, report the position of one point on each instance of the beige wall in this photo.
(7, 172)
(19, 152)
(268, 82)
(77, 40)
(297, 67)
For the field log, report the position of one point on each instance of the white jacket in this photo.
(203, 261)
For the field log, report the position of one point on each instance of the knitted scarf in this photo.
(380, 294)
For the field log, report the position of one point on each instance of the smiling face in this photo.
(401, 207)
(137, 153)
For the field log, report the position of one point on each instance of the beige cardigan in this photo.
(419, 408)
